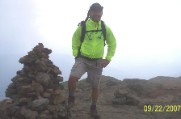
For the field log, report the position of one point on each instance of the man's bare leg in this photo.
(71, 88)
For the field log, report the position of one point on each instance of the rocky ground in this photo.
(157, 98)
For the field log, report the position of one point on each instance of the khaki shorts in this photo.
(92, 67)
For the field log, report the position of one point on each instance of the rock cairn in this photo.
(36, 90)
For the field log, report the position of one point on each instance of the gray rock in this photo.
(39, 104)
(43, 78)
(28, 114)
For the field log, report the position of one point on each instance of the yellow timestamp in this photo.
(162, 108)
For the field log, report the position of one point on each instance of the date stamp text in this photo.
(162, 108)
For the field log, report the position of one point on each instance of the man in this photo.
(89, 54)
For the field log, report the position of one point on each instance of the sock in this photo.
(93, 107)
(93, 103)
(71, 94)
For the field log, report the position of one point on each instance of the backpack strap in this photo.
(83, 27)
(82, 31)
(103, 31)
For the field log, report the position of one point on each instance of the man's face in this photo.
(96, 15)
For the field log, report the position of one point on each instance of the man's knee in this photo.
(95, 84)
(73, 79)
(95, 88)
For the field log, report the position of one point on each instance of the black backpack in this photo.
(84, 31)
(83, 25)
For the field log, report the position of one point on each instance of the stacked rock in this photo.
(36, 90)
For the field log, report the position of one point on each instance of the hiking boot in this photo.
(71, 101)
(94, 112)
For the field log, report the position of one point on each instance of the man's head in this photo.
(95, 12)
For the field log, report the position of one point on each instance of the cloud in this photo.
(17, 29)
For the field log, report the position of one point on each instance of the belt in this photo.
(90, 59)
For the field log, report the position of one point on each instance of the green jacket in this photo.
(93, 44)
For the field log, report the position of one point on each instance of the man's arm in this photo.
(111, 44)
(76, 41)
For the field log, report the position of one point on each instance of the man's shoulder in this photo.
(81, 23)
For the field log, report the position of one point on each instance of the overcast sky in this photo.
(148, 32)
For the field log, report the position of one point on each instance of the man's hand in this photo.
(104, 63)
